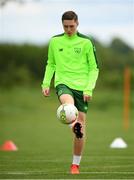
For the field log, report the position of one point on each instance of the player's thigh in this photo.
(66, 98)
(65, 94)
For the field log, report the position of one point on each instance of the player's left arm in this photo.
(93, 72)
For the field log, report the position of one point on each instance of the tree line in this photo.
(25, 63)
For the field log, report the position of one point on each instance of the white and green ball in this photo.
(67, 113)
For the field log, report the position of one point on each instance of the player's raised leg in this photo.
(66, 99)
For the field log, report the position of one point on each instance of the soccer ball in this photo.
(67, 113)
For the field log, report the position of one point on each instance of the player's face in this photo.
(70, 27)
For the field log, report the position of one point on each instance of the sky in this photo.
(38, 20)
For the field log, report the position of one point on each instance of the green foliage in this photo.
(113, 59)
(25, 64)
(21, 63)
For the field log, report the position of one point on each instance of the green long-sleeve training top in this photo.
(73, 60)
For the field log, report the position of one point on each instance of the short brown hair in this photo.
(69, 15)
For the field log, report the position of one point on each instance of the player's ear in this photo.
(77, 22)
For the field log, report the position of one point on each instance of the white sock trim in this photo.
(76, 159)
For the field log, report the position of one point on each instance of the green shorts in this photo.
(77, 96)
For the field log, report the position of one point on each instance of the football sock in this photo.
(76, 159)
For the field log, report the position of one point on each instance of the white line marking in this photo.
(43, 172)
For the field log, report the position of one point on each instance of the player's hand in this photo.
(86, 98)
(46, 92)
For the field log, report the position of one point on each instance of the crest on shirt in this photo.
(77, 50)
(61, 49)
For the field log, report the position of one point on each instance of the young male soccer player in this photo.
(71, 57)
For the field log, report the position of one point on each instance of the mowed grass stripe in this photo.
(82, 172)
(86, 158)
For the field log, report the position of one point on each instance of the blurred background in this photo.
(26, 27)
(29, 119)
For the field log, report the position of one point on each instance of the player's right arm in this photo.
(50, 69)
(46, 91)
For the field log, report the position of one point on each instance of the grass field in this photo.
(45, 145)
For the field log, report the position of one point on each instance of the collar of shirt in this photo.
(71, 37)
